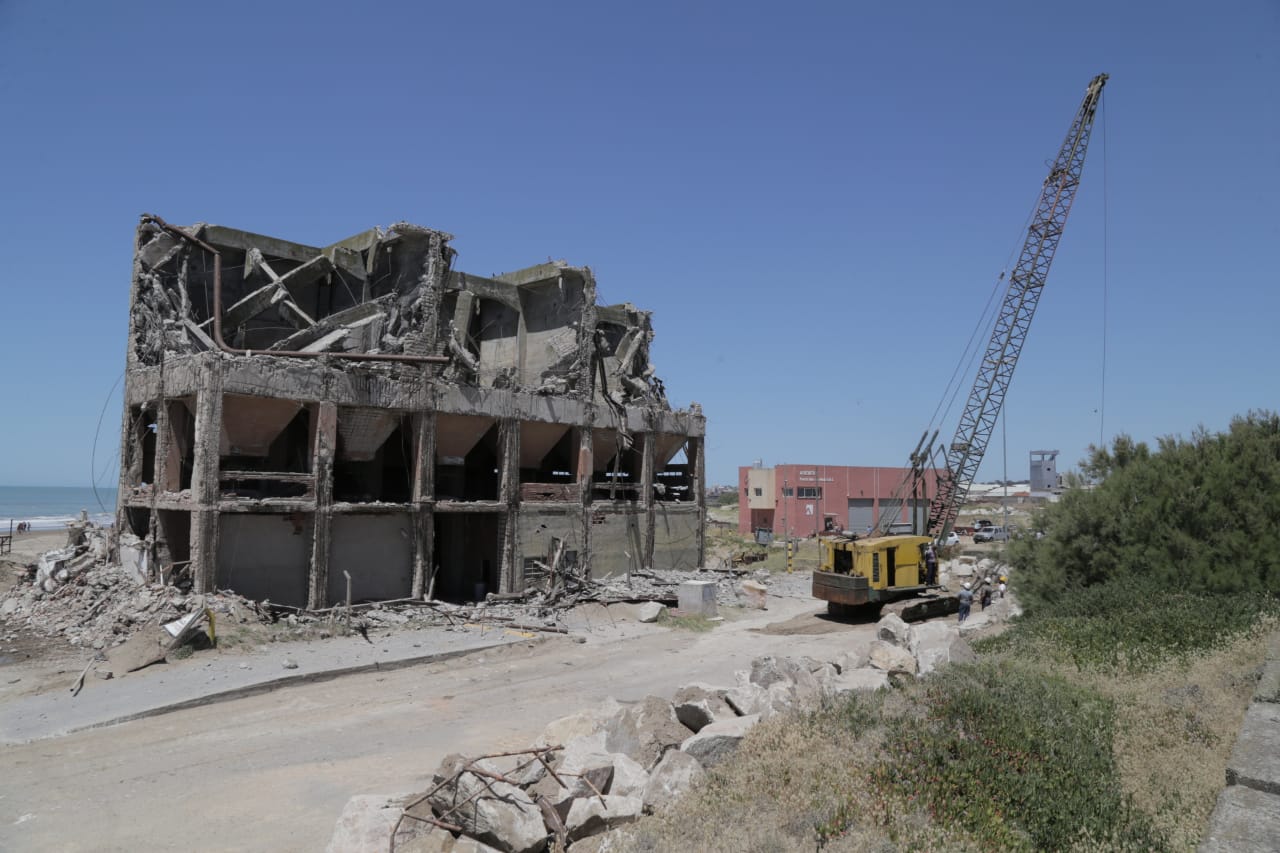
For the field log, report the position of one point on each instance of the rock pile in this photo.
(76, 594)
(595, 771)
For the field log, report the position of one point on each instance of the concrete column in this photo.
(509, 496)
(322, 468)
(648, 450)
(694, 451)
(424, 489)
(586, 469)
(205, 489)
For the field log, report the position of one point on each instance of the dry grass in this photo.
(1175, 729)
(802, 782)
(794, 778)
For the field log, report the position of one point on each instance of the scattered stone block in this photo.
(891, 658)
(500, 815)
(1244, 821)
(893, 630)
(718, 741)
(697, 598)
(645, 730)
(650, 611)
(866, 679)
(698, 700)
(676, 773)
(593, 815)
(756, 594)
(1254, 761)
(365, 824)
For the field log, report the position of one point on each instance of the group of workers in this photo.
(990, 587)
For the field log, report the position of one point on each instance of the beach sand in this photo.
(28, 546)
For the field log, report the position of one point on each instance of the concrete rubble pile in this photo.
(592, 773)
(78, 594)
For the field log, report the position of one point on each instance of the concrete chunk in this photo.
(1244, 821)
(1254, 763)
(891, 658)
(593, 815)
(365, 824)
(677, 772)
(698, 598)
(718, 741)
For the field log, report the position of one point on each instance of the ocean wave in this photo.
(58, 522)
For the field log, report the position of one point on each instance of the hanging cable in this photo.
(1106, 264)
(93, 454)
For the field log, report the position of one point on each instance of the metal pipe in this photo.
(217, 314)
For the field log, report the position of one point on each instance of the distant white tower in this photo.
(1044, 471)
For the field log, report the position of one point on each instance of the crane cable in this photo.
(1106, 264)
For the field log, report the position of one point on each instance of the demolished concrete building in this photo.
(303, 421)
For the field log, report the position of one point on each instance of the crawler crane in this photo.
(883, 569)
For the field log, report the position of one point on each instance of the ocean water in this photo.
(51, 507)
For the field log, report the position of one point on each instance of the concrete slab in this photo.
(1244, 821)
(211, 677)
(1255, 761)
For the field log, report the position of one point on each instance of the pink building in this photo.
(809, 499)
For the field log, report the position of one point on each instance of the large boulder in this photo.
(613, 841)
(500, 815)
(851, 660)
(892, 630)
(747, 699)
(719, 741)
(891, 658)
(865, 679)
(366, 824)
(698, 705)
(629, 778)
(582, 724)
(937, 643)
(645, 731)
(650, 611)
(441, 841)
(593, 815)
(676, 773)
(770, 670)
(585, 773)
(755, 594)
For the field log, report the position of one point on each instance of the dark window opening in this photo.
(387, 478)
(289, 455)
(181, 443)
(466, 556)
(473, 477)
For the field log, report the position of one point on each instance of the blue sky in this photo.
(813, 199)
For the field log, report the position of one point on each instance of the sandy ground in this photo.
(28, 546)
(272, 772)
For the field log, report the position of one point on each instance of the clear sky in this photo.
(815, 200)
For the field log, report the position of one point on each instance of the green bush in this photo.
(1196, 515)
(1134, 625)
(1018, 758)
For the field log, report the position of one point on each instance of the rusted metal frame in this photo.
(217, 314)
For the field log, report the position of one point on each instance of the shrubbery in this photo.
(1196, 516)
(1019, 759)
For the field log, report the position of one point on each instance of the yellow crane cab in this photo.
(865, 573)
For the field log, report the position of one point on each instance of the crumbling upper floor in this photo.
(387, 294)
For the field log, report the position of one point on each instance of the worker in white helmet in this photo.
(966, 600)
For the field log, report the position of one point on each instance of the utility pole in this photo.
(786, 527)
(1004, 440)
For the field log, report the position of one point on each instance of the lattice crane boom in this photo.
(964, 454)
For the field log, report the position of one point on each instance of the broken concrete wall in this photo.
(377, 551)
(265, 556)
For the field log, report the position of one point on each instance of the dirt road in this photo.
(272, 772)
